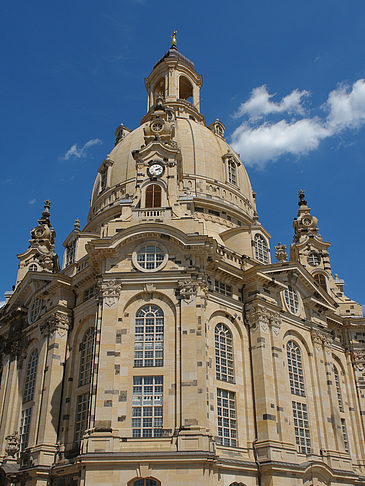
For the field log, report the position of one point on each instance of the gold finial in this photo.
(173, 39)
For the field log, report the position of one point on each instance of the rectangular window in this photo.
(344, 435)
(301, 425)
(82, 407)
(222, 288)
(89, 293)
(147, 402)
(25, 428)
(232, 172)
(226, 413)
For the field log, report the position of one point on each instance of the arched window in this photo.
(30, 377)
(185, 89)
(224, 368)
(295, 367)
(232, 172)
(144, 482)
(291, 300)
(33, 268)
(300, 411)
(338, 388)
(321, 280)
(153, 196)
(149, 336)
(86, 357)
(261, 249)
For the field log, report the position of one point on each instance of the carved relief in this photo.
(358, 359)
(320, 339)
(258, 319)
(58, 322)
(190, 288)
(16, 344)
(275, 323)
(109, 291)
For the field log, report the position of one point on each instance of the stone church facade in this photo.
(167, 348)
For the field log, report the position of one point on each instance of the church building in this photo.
(167, 348)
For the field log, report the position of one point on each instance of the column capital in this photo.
(108, 290)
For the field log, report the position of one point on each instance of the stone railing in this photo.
(151, 213)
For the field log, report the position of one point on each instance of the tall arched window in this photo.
(338, 388)
(321, 280)
(261, 249)
(295, 367)
(149, 336)
(299, 407)
(86, 357)
(153, 196)
(224, 367)
(232, 172)
(30, 377)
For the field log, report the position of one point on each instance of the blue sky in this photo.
(286, 78)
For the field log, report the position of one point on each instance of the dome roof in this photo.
(202, 153)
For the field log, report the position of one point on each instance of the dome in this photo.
(202, 154)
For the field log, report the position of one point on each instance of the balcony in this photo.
(151, 214)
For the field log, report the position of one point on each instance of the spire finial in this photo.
(302, 201)
(77, 224)
(173, 39)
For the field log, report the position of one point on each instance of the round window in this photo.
(314, 259)
(291, 300)
(150, 257)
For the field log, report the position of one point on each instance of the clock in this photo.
(155, 170)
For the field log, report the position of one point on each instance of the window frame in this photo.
(86, 357)
(262, 249)
(137, 251)
(31, 376)
(222, 331)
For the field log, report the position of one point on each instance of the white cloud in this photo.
(346, 107)
(259, 143)
(80, 152)
(32, 201)
(259, 103)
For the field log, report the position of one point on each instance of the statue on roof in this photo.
(173, 39)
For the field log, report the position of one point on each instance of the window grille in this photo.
(153, 196)
(295, 367)
(232, 172)
(150, 257)
(86, 357)
(30, 377)
(147, 401)
(33, 268)
(223, 288)
(261, 249)
(301, 425)
(82, 406)
(292, 300)
(344, 435)
(149, 336)
(103, 179)
(314, 259)
(25, 427)
(224, 353)
(226, 413)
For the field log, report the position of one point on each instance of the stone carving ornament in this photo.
(358, 358)
(58, 322)
(189, 288)
(109, 291)
(13, 444)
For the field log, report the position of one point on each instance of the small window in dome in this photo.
(232, 172)
(33, 268)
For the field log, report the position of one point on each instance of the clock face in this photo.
(155, 170)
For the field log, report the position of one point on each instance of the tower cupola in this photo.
(175, 80)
